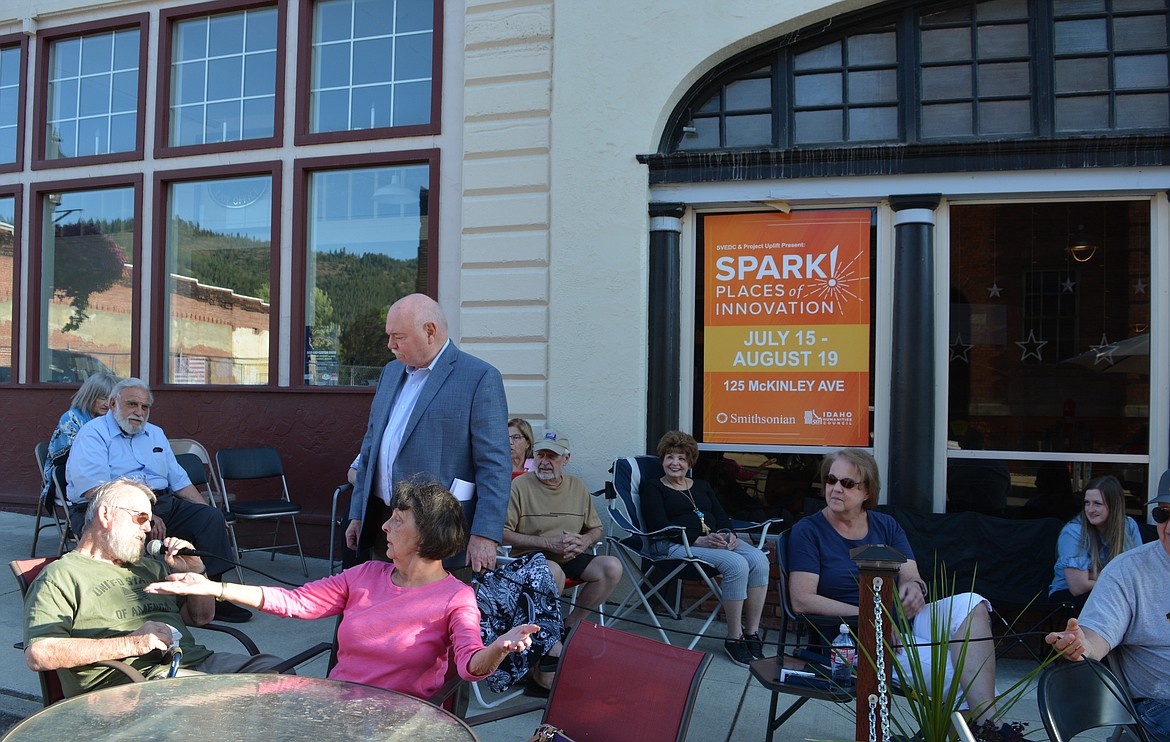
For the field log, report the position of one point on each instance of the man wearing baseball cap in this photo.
(1129, 611)
(552, 512)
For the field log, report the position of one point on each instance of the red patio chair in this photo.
(593, 695)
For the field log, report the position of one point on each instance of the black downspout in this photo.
(663, 372)
(910, 478)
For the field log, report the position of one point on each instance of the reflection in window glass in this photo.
(9, 101)
(219, 253)
(1050, 335)
(7, 308)
(368, 247)
(93, 95)
(371, 64)
(87, 281)
(223, 78)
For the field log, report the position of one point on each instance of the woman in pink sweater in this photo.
(400, 620)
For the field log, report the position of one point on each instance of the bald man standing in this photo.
(439, 414)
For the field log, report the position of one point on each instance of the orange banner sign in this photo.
(786, 317)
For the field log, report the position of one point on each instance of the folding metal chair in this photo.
(650, 572)
(197, 472)
(337, 523)
(770, 672)
(1075, 697)
(190, 445)
(68, 535)
(49, 505)
(248, 464)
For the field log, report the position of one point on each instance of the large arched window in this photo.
(932, 80)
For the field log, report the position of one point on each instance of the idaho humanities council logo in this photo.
(828, 417)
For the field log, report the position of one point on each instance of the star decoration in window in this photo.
(1067, 285)
(1104, 350)
(1139, 286)
(959, 349)
(994, 290)
(1031, 346)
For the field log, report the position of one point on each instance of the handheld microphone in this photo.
(155, 547)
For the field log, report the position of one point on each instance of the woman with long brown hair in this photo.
(1090, 540)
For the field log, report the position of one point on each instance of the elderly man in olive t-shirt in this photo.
(90, 605)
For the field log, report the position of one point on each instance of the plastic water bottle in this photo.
(842, 657)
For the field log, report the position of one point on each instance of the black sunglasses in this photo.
(846, 482)
(1160, 515)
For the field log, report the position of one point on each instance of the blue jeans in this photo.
(1155, 715)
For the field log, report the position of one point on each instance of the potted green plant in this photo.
(929, 695)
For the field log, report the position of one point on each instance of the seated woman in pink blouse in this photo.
(399, 619)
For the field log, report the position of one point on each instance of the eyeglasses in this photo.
(1160, 515)
(515, 438)
(846, 482)
(137, 516)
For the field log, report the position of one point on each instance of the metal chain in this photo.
(873, 701)
(882, 688)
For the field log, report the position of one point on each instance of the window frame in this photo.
(16, 193)
(163, 179)
(21, 41)
(45, 39)
(304, 135)
(906, 18)
(168, 19)
(34, 331)
(302, 170)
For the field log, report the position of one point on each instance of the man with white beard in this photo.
(90, 605)
(552, 512)
(122, 443)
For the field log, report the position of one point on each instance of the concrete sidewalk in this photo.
(731, 706)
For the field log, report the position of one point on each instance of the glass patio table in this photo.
(243, 706)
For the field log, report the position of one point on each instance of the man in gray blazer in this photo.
(440, 414)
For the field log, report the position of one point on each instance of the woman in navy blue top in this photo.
(824, 581)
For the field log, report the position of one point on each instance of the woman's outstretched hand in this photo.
(519, 638)
(184, 583)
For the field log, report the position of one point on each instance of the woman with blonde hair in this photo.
(520, 438)
(822, 581)
(91, 400)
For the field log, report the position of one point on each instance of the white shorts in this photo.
(949, 612)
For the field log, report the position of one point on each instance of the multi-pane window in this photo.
(1110, 69)
(367, 247)
(944, 71)
(7, 264)
(371, 64)
(975, 70)
(87, 272)
(738, 115)
(847, 90)
(9, 102)
(218, 282)
(223, 78)
(92, 94)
